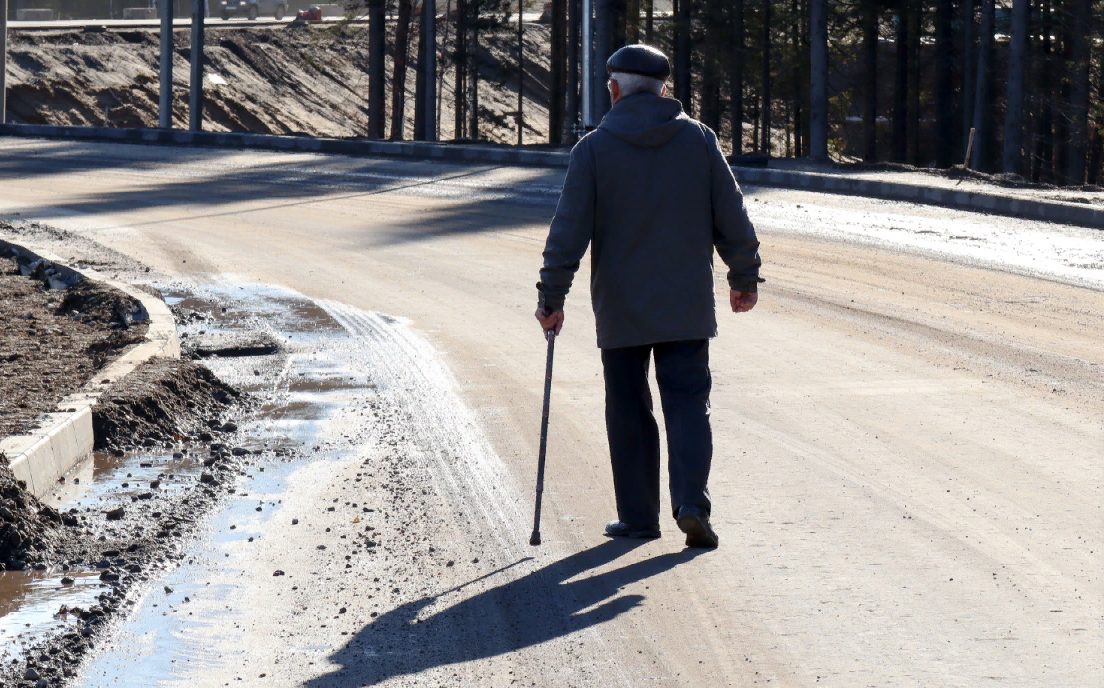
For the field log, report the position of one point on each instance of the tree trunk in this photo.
(473, 73)
(377, 52)
(521, 73)
(916, 30)
(632, 22)
(1080, 32)
(870, 74)
(901, 84)
(944, 83)
(969, 70)
(683, 84)
(982, 97)
(574, 16)
(1044, 152)
(818, 80)
(1096, 148)
(765, 115)
(618, 15)
(649, 21)
(420, 80)
(558, 72)
(601, 96)
(710, 88)
(797, 90)
(1013, 114)
(398, 76)
(460, 85)
(736, 75)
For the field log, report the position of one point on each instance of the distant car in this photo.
(252, 8)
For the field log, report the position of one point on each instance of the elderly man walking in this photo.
(651, 191)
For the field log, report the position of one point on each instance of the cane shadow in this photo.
(538, 607)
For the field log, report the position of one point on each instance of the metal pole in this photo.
(3, 61)
(165, 105)
(429, 12)
(195, 98)
(586, 81)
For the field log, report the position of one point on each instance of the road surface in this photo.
(908, 431)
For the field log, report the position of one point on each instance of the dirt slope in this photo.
(282, 80)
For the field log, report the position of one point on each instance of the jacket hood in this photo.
(645, 120)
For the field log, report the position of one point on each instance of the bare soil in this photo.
(303, 80)
(160, 404)
(54, 341)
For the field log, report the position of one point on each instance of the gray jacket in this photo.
(652, 191)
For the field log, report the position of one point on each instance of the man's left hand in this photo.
(552, 320)
(742, 301)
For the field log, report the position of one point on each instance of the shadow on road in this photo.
(212, 184)
(541, 606)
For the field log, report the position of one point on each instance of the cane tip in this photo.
(535, 538)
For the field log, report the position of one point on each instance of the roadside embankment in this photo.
(288, 80)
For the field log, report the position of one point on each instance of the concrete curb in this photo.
(406, 149)
(1061, 213)
(1047, 211)
(65, 438)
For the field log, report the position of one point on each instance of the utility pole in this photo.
(165, 104)
(818, 81)
(195, 98)
(3, 61)
(1013, 114)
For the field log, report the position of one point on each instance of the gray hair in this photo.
(636, 83)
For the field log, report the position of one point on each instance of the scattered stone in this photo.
(239, 451)
(115, 514)
(168, 590)
(30, 674)
(230, 426)
(67, 581)
(277, 572)
(206, 477)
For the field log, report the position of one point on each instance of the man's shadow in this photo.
(538, 607)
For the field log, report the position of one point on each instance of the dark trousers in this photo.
(682, 372)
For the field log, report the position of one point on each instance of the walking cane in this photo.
(550, 335)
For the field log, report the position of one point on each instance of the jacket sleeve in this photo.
(571, 231)
(733, 234)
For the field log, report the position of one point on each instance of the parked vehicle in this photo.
(252, 8)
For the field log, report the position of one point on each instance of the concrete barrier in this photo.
(65, 437)
(1047, 211)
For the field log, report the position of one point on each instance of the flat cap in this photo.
(640, 59)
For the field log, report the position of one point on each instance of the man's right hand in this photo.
(552, 320)
(742, 301)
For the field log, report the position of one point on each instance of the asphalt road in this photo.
(908, 432)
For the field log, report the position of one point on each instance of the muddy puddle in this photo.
(300, 386)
